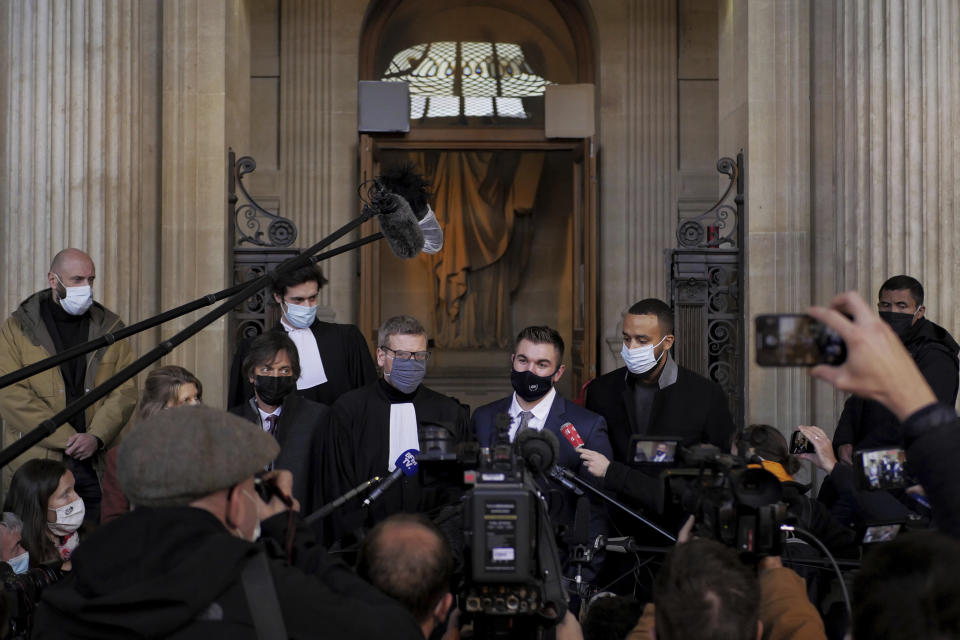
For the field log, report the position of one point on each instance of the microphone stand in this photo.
(242, 292)
(109, 338)
(597, 492)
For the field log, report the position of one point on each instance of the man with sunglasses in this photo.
(372, 427)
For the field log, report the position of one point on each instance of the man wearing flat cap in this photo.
(183, 563)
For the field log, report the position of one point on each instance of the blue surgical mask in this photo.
(20, 563)
(406, 375)
(300, 316)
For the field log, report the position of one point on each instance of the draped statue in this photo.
(484, 201)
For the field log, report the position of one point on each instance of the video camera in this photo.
(512, 571)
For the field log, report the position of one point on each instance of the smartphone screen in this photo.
(799, 444)
(881, 468)
(881, 532)
(796, 340)
(654, 450)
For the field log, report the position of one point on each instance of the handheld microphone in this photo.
(406, 466)
(557, 474)
(623, 544)
(570, 433)
(329, 508)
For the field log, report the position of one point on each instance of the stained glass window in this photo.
(473, 79)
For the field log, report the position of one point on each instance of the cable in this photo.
(826, 552)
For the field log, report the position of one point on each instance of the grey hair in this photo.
(399, 325)
(12, 521)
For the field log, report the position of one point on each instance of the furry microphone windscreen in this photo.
(399, 225)
(403, 180)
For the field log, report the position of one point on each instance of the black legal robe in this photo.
(360, 430)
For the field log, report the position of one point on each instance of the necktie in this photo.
(524, 419)
(272, 425)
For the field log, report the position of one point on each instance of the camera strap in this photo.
(262, 597)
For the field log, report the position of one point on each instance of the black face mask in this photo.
(899, 322)
(273, 389)
(529, 385)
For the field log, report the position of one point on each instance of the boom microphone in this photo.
(406, 466)
(397, 222)
(539, 449)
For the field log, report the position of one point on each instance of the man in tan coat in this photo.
(48, 322)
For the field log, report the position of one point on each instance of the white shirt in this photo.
(311, 365)
(540, 412)
(264, 415)
(403, 432)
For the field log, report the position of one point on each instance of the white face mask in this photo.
(77, 300)
(641, 359)
(69, 518)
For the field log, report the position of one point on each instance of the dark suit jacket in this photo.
(302, 432)
(591, 427)
(692, 409)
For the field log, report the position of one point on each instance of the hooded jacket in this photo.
(867, 424)
(175, 573)
(24, 339)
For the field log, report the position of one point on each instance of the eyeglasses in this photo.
(407, 355)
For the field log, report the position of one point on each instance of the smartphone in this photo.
(799, 444)
(881, 468)
(648, 450)
(881, 532)
(796, 340)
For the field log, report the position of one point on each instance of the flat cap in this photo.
(180, 455)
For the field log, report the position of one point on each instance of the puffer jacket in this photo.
(24, 339)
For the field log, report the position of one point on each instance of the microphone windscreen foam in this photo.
(403, 180)
(399, 226)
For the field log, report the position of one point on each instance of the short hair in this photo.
(542, 335)
(903, 283)
(162, 387)
(399, 326)
(768, 443)
(264, 350)
(610, 617)
(704, 591)
(416, 575)
(11, 521)
(28, 497)
(655, 307)
(308, 273)
(908, 588)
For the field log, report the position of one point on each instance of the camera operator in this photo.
(183, 563)
(879, 368)
(704, 591)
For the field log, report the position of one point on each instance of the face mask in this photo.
(529, 385)
(899, 322)
(77, 300)
(641, 359)
(256, 506)
(20, 563)
(273, 389)
(432, 232)
(406, 375)
(299, 316)
(69, 518)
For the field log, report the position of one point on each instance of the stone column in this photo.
(205, 111)
(638, 141)
(318, 131)
(80, 134)
(764, 101)
(898, 167)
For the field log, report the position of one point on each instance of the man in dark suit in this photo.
(654, 396)
(298, 424)
(334, 358)
(535, 404)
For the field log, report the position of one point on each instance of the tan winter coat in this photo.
(24, 339)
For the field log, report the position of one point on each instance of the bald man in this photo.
(48, 322)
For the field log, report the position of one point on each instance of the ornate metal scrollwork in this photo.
(717, 226)
(255, 224)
